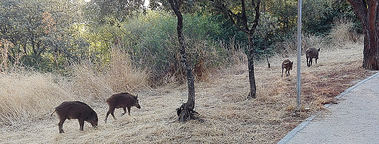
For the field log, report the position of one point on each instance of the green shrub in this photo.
(151, 41)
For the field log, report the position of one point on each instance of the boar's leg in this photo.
(60, 124)
(106, 117)
(310, 62)
(81, 123)
(110, 111)
(129, 111)
(287, 72)
(124, 108)
(113, 115)
(282, 71)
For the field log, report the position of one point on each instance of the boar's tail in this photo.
(53, 113)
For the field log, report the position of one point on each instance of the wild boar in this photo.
(75, 110)
(121, 100)
(310, 54)
(287, 64)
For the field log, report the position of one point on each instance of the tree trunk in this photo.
(241, 21)
(250, 59)
(371, 56)
(185, 111)
(367, 12)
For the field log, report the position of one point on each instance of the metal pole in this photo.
(298, 87)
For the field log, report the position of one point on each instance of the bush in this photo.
(320, 15)
(151, 41)
(343, 32)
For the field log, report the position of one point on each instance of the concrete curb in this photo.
(303, 124)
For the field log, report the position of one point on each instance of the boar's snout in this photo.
(94, 122)
(138, 106)
(137, 103)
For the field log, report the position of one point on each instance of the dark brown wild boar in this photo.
(121, 100)
(75, 110)
(310, 54)
(287, 64)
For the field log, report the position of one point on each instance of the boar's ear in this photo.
(137, 96)
(318, 49)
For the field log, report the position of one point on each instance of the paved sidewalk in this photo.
(355, 120)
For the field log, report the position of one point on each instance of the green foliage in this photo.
(284, 11)
(36, 29)
(320, 15)
(121, 10)
(50, 35)
(152, 43)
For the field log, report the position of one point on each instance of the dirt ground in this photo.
(228, 117)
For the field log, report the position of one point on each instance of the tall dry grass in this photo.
(118, 76)
(28, 95)
(343, 33)
(341, 36)
(289, 46)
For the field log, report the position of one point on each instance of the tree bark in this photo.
(185, 111)
(367, 12)
(241, 22)
(250, 61)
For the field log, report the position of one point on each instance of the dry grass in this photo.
(119, 76)
(289, 46)
(28, 95)
(343, 32)
(25, 94)
(221, 101)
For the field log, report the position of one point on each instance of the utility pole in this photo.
(298, 87)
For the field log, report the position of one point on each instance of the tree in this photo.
(247, 24)
(120, 10)
(185, 111)
(368, 13)
(188, 6)
(38, 28)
